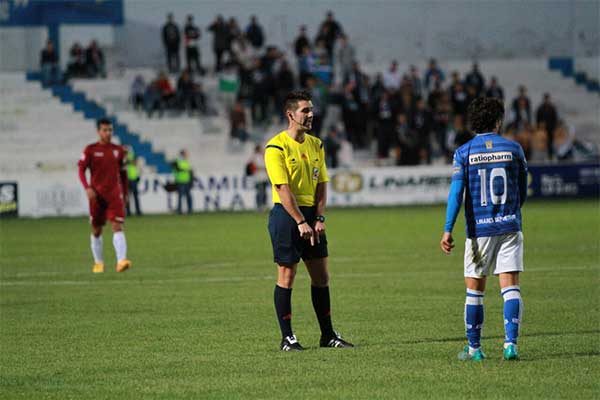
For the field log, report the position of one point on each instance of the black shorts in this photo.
(288, 246)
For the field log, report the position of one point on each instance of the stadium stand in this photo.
(576, 105)
(207, 137)
(38, 132)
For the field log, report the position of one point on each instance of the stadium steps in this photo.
(568, 68)
(92, 110)
(38, 133)
(206, 137)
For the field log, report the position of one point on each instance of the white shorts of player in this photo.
(497, 254)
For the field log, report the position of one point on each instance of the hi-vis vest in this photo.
(183, 172)
(132, 170)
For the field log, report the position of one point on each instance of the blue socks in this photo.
(474, 317)
(513, 310)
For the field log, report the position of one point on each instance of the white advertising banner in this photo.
(63, 195)
(389, 186)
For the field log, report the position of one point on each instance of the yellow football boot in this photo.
(98, 268)
(123, 265)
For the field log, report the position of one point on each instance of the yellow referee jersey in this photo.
(300, 165)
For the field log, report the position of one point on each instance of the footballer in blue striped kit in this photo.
(491, 172)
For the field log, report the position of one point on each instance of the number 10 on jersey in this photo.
(495, 173)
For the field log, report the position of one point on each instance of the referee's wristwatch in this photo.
(320, 218)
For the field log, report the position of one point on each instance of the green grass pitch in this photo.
(194, 318)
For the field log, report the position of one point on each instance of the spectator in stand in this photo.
(324, 71)
(471, 94)
(301, 42)
(422, 123)
(229, 84)
(458, 134)
(356, 74)
(406, 142)
(385, 126)
(243, 56)
(254, 33)
(521, 108)
(441, 120)
(362, 94)
(259, 92)
(433, 74)
(523, 137)
(159, 95)
(476, 80)
(285, 83)
(76, 66)
(171, 41)
(330, 29)
(332, 146)
(539, 144)
(495, 90)
(152, 99)
(345, 55)
(192, 53)
(435, 96)
(189, 94)
(306, 65)
(270, 62)
(49, 65)
(318, 102)
(167, 93)
(94, 60)
(138, 88)
(320, 49)
(521, 113)
(237, 120)
(455, 77)
(377, 89)
(392, 77)
(415, 80)
(351, 114)
(406, 102)
(221, 40)
(546, 114)
(459, 99)
(234, 31)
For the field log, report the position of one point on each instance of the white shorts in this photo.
(502, 253)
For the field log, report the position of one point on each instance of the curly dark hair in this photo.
(484, 113)
(292, 99)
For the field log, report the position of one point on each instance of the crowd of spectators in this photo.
(404, 117)
(82, 63)
(159, 95)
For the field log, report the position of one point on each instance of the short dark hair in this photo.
(103, 121)
(484, 113)
(292, 99)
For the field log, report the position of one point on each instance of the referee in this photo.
(295, 163)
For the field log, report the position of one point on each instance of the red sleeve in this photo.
(123, 172)
(83, 164)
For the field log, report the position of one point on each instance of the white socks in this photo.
(120, 245)
(97, 249)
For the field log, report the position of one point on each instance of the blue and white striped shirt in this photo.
(493, 170)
